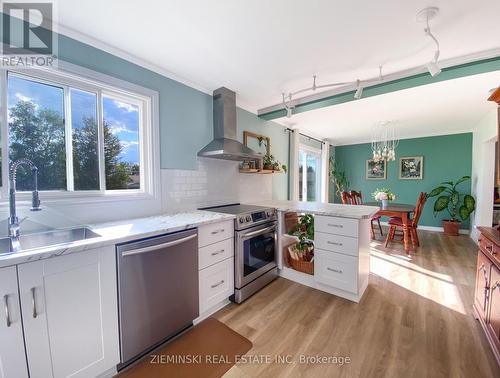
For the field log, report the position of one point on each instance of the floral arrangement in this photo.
(383, 194)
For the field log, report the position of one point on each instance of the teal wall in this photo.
(446, 158)
(185, 113)
(247, 121)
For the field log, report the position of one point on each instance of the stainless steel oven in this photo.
(255, 248)
(255, 253)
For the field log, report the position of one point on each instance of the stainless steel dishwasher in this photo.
(157, 291)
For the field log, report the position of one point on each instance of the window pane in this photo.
(36, 132)
(312, 184)
(85, 140)
(121, 144)
(301, 170)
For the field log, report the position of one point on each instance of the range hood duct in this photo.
(225, 146)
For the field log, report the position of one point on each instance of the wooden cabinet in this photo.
(495, 97)
(12, 355)
(487, 289)
(482, 284)
(493, 321)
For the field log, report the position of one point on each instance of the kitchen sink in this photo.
(47, 239)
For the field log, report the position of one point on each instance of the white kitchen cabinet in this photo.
(216, 284)
(69, 308)
(342, 256)
(214, 232)
(12, 356)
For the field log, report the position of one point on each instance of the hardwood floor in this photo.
(414, 320)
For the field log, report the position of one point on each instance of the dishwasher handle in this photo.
(156, 247)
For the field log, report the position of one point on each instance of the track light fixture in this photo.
(425, 15)
(359, 90)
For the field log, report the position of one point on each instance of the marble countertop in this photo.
(119, 232)
(330, 209)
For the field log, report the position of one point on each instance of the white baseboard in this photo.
(435, 229)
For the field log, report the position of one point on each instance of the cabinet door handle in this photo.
(334, 270)
(217, 284)
(335, 225)
(335, 243)
(489, 248)
(482, 267)
(7, 314)
(33, 302)
(217, 253)
(217, 231)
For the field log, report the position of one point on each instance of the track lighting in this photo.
(359, 91)
(424, 16)
(433, 68)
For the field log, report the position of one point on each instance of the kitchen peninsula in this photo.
(341, 246)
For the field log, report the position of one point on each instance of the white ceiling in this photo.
(447, 107)
(260, 48)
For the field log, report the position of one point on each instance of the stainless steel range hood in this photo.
(225, 146)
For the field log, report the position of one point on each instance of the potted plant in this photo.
(339, 177)
(384, 195)
(454, 202)
(270, 163)
(304, 230)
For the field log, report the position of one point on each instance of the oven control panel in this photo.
(257, 217)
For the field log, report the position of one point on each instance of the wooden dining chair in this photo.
(346, 198)
(357, 199)
(396, 224)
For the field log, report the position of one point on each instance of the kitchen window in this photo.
(309, 173)
(86, 137)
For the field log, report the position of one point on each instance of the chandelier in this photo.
(384, 142)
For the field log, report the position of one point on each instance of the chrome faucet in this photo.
(35, 200)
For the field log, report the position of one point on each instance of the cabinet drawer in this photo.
(336, 243)
(336, 225)
(336, 270)
(216, 284)
(486, 245)
(214, 253)
(212, 233)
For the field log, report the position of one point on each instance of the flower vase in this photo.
(385, 203)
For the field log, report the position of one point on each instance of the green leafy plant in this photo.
(270, 162)
(338, 177)
(304, 230)
(450, 199)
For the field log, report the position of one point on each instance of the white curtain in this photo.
(294, 165)
(325, 164)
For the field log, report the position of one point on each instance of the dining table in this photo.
(399, 210)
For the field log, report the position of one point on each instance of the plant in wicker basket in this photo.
(304, 230)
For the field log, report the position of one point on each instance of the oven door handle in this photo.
(258, 232)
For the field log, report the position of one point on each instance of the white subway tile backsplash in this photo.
(215, 182)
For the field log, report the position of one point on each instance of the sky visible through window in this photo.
(122, 118)
(37, 131)
(123, 122)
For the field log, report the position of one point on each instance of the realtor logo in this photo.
(29, 40)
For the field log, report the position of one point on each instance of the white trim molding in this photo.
(70, 75)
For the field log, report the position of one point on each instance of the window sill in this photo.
(89, 198)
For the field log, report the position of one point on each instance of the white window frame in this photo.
(71, 76)
(316, 151)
